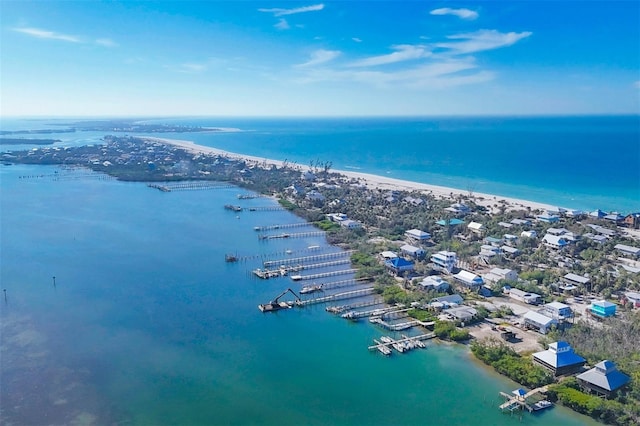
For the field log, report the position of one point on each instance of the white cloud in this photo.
(436, 75)
(356, 39)
(482, 40)
(106, 42)
(45, 34)
(320, 57)
(283, 12)
(403, 52)
(467, 14)
(282, 24)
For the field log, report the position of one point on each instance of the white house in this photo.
(540, 323)
(417, 234)
(557, 242)
(444, 260)
(337, 217)
(469, 279)
(476, 227)
(529, 234)
(523, 296)
(497, 274)
(633, 298)
(350, 224)
(387, 255)
(435, 282)
(413, 251)
(557, 310)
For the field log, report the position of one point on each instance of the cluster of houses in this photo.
(604, 379)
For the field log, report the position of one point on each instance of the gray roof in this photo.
(605, 375)
(559, 354)
(453, 298)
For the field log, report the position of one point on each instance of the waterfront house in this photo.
(387, 255)
(469, 279)
(417, 234)
(547, 218)
(413, 251)
(616, 218)
(602, 309)
(452, 299)
(628, 250)
(556, 310)
(497, 274)
(559, 359)
(632, 220)
(336, 217)
(476, 228)
(459, 209)
(461, 313)
(399, 266)
(444, 260)
(539, 322)
(350, 224)
(597, 214)
(434, 282)
(522, 296)
(576, 214)
(633, 298)
(603, 379)
(554, 241)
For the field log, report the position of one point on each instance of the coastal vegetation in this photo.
(513, 365)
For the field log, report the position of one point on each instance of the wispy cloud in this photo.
(106, 42)
(282, 24)
(467, 14)
(46, 34)
(356, 39)
(636, 84)
(320, 56)
(436, 75)
(283, 12)
(482, 40)
(403, 52)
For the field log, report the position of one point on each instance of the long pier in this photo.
(400, 326)
(294, 235)
(354, 315)
(403, 340)
(341, 308)
(190, 186)
(323, 275)
(283, 226)
(344, 283)
(304, 259)
(338, 296)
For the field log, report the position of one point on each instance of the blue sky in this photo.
(291, 58)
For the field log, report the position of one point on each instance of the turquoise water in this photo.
(148, 325)
(585, 162)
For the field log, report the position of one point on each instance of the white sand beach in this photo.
(380, 182)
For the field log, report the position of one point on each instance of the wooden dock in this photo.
(283, 226)
(520, 402)
(323, 275)
(420, 337)
(306, 259)
(338, 296)
(341, 308)
(292, 235)
(190, 186)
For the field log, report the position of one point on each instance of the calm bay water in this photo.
(148, 325)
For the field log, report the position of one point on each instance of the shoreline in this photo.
(376, 181)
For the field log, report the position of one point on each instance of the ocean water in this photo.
(147, 324)
(585, 162)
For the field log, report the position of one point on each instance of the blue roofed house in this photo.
(602, 309)
(399, 265)
(603, 379)
(559, 359)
